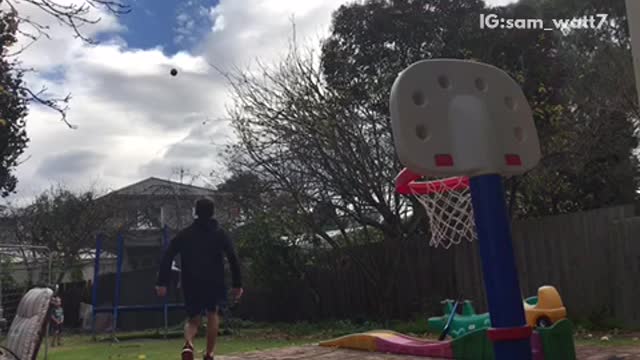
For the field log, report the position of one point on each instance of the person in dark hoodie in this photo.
(202, 247)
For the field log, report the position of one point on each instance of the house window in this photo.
(148, 219)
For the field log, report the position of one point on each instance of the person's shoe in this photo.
(187, 352)
(208, 357)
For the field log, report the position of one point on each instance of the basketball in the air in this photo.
(174, 72)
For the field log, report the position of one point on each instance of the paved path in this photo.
(321, 353)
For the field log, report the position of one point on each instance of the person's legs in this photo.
(213, 322)
(54, 334)
(193, 306)
(215, 296)
(191, 329)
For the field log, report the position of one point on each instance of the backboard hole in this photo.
(510, 103)
(422, 132)
(444, 82)
(418, 98)
(518, 133)
(481, 84)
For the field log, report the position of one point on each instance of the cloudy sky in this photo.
(133, 119)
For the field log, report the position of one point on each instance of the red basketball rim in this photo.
(407, 184)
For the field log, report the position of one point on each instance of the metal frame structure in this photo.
(116, 309)
(49, 280)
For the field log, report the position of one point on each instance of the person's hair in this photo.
(204, 208)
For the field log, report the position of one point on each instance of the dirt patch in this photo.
(618, 353)
(316, 352)
(322, 353)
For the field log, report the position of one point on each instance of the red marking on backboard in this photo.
(407, 183)
(444, 160)
(513, 160)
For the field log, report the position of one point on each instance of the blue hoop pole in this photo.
(116, 297)
(94, 290)
(499, 266)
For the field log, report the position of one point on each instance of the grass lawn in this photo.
(83, 349)
(137, 347)
(257, 338)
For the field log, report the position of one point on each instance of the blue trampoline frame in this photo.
(116, 309)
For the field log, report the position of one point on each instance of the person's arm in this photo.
(234, 263)
(55, 319)
(164, 274)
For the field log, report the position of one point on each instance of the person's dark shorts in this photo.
(204, 300)
(56, 328)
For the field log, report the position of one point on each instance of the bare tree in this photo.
(75, 16)
(65, 222)
(325, 153)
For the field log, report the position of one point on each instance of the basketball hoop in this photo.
(448, 206)
(470, 120)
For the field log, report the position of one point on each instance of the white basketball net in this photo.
(450, 215)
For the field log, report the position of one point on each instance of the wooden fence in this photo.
(623, 262)
(580, 254)
(592, 258)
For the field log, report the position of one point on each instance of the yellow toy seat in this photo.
(545, 309)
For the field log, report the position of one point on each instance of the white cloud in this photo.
(246, 29)
(128, 109)
(135, 120)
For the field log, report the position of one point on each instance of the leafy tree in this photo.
(371, 41)
(247, 193)
(374, 40)
(268, 237)
(13, 107)
(590, 159)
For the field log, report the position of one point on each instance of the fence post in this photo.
(116, 297)
(165, 307)
(94, 290)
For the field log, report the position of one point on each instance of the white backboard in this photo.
(462, 118)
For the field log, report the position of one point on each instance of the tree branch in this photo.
(60, 105)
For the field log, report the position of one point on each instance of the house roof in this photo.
(159, 187)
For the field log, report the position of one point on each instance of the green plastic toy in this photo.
(461, 324)
(552, 343)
